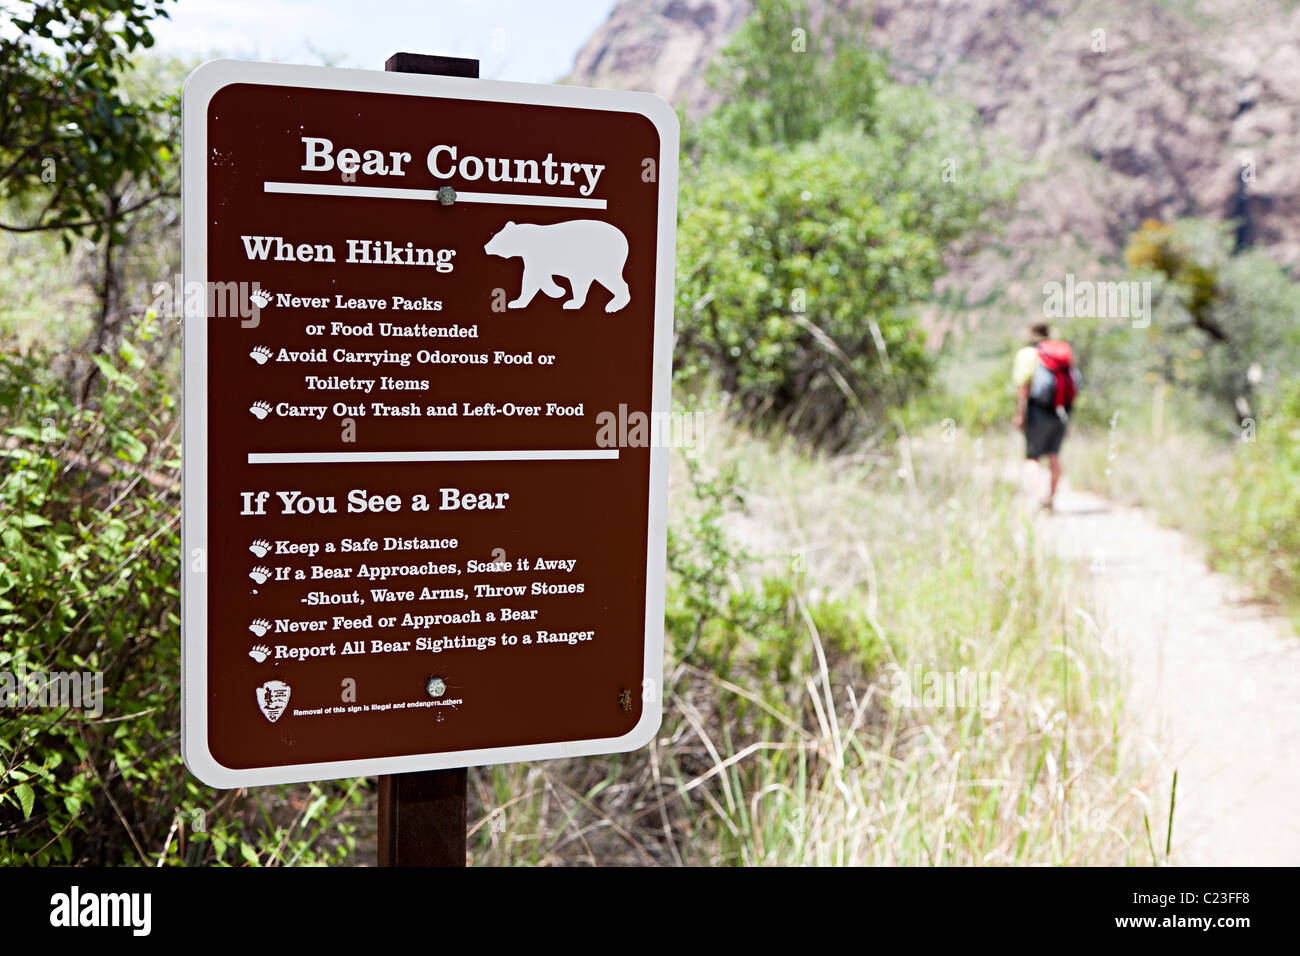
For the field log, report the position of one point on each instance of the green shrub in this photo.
(988, 405)
(788, 274)
(1255, 526)
(726, 617)
(90, 527)
(819, 201)
(1225, 321)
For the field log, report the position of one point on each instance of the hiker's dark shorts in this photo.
(1044, 431)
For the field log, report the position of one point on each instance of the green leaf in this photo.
(26, 799)
(132, 450)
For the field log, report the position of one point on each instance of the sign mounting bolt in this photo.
(436, 686)
(446, 195)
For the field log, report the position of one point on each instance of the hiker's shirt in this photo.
(1022, 369)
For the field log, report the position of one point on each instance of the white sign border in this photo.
(199, 89)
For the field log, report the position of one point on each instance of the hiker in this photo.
(1046, 382)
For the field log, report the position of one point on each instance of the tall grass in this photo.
(1238, 496)
(1152, 457)
(795, 740)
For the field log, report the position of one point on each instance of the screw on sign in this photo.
(393, 466)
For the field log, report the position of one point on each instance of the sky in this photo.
(528, 41)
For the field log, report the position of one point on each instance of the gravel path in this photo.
(1215, 683)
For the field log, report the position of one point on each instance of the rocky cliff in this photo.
(1128, 110)
(659, 45)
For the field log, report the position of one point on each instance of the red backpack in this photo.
(1055, 381)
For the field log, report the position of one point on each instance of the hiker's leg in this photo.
(1054, 462)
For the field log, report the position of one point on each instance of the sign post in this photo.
(423, 815)
(428, 326)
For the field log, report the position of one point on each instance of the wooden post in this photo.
(436, 65)
(422, 816)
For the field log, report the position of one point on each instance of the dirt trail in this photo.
(1215, 683)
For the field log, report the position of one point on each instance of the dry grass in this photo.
(831, 762)
(1176, 475)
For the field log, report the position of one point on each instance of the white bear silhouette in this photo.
(582, 250)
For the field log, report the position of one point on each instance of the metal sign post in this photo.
(423, 815)
(422, 818)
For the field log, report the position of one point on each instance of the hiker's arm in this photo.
(1022, 398)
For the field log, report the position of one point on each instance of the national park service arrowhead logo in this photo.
(273, 699)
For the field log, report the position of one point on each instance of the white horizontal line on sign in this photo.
(379, 457)
(428, 195)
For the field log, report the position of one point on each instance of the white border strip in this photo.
(200, 87)
(428, 195)
(382, 457)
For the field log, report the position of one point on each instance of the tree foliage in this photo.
(821, 201)
(1225, 325)
(77, 151)
(782, 81)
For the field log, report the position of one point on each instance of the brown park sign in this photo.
(427, 366)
